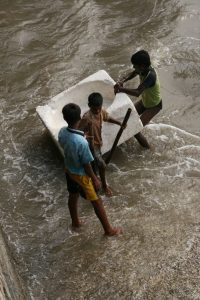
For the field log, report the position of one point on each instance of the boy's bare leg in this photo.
(145, 116)
(73, 209)
(106, 188)
(148, 114)
(142, 140)
(101, 214)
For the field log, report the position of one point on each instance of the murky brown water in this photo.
(47, 47)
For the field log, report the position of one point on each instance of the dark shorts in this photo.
(73, 187)
(146, 114)
(81, 184)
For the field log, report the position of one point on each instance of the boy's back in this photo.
(76, 150)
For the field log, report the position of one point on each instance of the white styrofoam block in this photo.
(116, 105)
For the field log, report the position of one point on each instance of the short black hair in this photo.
(95, 99)
(141, 58)
(71, 113)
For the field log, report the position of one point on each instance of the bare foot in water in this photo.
(78, 224)
(114, 231)
(108, 191)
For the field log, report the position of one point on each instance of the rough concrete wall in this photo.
(11, 287)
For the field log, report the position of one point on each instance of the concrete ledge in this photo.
(11, 287)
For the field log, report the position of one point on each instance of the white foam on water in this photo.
(161, 126)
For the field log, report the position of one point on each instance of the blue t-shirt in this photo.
(76, 150)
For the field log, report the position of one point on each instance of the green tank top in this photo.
(151, 95)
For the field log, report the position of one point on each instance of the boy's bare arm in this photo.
(127, 77)
(114, 121)
(133, 92)
(120, 83)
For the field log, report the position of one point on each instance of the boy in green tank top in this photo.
(149, 89)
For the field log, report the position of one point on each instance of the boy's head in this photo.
(141, 60)
(95, 101)
(71, 113)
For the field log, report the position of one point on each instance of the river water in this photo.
(48, 46)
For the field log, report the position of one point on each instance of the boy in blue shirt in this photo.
(79, 174)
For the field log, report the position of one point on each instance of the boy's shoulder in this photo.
(62, 130)
(150, 79)
(103, 109)
(65, 131)
(87, 114)
(104, 114)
